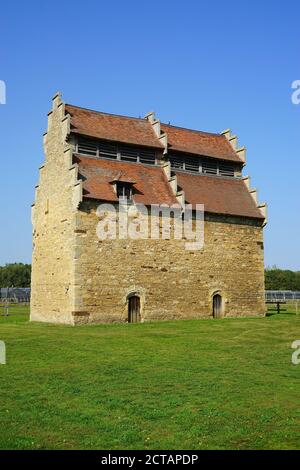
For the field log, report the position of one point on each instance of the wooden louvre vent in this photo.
(131, 153)
(201, 165)
(210, 168)
(115, 151)
(226, 170)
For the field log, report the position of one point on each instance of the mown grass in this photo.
(224, 384)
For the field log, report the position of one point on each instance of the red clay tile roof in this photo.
(219, 195)
(226, 196)
(200, 143)
(151, 185)
(112, 127)
(139, 132)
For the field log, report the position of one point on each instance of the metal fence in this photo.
(22, 294)
(281, 296)
(15, 294)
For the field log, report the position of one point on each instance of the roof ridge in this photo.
(143, 119)
(192, 130)
(108, 114)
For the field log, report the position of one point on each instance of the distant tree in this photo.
(280, 279)
(15, 275)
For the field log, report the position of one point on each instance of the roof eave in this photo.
(127, 142)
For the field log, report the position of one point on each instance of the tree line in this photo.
(15, 275)
(18, 275)
(282, 279)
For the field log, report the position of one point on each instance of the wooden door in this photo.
(133, 309)
(217, 306)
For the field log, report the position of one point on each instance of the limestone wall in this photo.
(171, 281)
(53, 218)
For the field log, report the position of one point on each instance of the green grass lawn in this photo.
(209, 384)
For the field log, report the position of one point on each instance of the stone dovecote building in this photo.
(94, 157)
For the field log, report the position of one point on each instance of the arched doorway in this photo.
(134, 309)
(217, 306)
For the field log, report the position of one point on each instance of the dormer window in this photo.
(124, 190)
(123, 187)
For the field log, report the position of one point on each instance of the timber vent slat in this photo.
(201, 165)
(114, 151)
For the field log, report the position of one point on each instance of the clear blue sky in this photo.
(206, 65)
